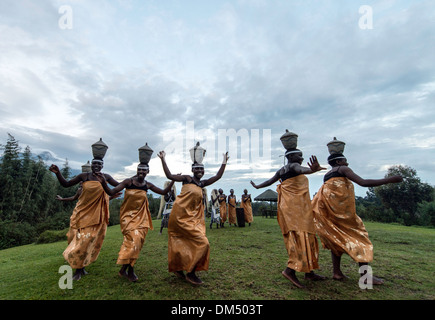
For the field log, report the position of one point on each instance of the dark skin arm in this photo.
(127, 183)
(367, 182)
(74, 197)
(82, 177)
(230, 203)
(186, 178)
(160, 191)
(169, 175)
(313, 166)
(219, 173)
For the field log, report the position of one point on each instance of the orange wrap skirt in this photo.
(188, 246)
(135, 220)
(88, 225)
(223, 211)
(295, 218)
(340, 229)
(247, 210)
(232, 216)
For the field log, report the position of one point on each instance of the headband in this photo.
(197, 166)
(293, 151)
(337, 157)
(143, 166)
(97, 160)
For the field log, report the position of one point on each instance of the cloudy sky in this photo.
(233, 75)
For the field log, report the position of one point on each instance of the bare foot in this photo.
(313, 276)
(339, 277)
(193, 279)
(131, 275)
(378, 281)
(122, 272)
(292, 277)
(78, 274)
(180, 274)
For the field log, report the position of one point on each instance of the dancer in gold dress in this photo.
(247, 207)
(340, 229)
(295, 214)
(135, 217)
(222, 198)
(88, 223)
(232, 215)
(188, 246)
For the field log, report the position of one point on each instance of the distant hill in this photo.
(48, 158)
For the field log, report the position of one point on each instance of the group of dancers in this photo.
(331, 215)
(224, 207)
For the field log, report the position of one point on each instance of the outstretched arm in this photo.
(63, 182)
(368, 182)
(110, 180)
(160, 191)
(313, 166)
(266, 183)
(114, 191)
(74, 197)
(219, 173)
(169, 175)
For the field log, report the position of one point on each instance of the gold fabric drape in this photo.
(340, 229)
(295, 218)
(188, 246)
(88, 225)
(223, 211)
(232, 216)
(135, 220)
(294, 205)
(247, 210)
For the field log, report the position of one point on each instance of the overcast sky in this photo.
(171, 73)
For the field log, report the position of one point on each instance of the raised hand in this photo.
(226, 157)
(54, 168)
(100, 177)
(396, 179)
(314, 164)
(162, 155)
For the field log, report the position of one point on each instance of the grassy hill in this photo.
(245, 264)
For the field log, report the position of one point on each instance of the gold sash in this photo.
(92, 207)
(135, 212)
(247, 210)
(294, 205)
(232, 216)
(340, 229)
(188, 246)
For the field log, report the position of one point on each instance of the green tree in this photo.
(10, 184)
(404, 198)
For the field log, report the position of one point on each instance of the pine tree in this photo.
(10, 183)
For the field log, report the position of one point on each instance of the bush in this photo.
(426, 213)
(16, 234)
(50, 236)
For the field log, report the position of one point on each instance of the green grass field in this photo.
(245, 264)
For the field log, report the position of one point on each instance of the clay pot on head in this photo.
(197, 153)
(86, 167)
(99, 149)
(336, 146)
(289, 140)
(145, 153)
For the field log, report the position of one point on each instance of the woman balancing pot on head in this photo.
(88, 223)
(337, 224)
(295, 215)
(188, 246)
(135, 216)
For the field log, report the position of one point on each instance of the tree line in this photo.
(28, 204)
(28, 190)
